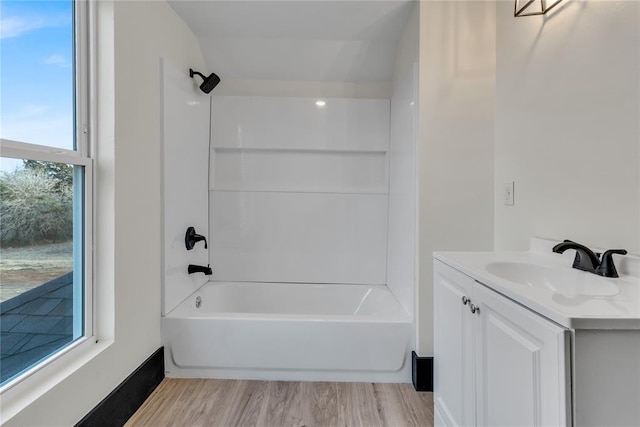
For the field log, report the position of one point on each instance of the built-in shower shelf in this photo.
(300, 170)
(300, 150)
(301, 191)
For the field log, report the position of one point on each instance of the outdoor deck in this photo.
(35, 324)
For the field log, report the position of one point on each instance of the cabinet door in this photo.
(453, 344)
(521, 371)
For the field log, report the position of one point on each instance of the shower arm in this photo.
(192, 73)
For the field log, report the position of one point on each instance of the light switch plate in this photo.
(508, 194)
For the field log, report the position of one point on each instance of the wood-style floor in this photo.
(230, 403)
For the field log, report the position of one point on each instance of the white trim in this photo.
(91, 136)
(44, 379)
(25, 389)
(23, 150)
(89, 238)
(91, 85)
(41, 377)
(82, 69)
(40, 365)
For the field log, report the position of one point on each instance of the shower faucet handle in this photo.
(191, 238)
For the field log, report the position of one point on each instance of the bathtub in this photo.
(295, 332)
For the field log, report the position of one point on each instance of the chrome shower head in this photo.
(208, 83)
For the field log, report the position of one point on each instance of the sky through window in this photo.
(36, 74)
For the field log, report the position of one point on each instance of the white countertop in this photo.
(619, 311)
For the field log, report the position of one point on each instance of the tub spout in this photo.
(199, 269)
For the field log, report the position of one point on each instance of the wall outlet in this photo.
(508, 194)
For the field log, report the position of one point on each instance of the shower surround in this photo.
(307, 284)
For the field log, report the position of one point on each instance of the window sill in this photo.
(23, 391)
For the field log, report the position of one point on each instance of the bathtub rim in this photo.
(401, 316)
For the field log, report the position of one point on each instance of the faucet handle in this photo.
(607, 268)
(190, 238)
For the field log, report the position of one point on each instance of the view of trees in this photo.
(36, 203)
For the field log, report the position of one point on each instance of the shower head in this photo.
(208, 83)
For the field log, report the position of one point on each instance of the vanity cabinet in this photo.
(496, 363)
(453, 380)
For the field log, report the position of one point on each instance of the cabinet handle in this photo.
(474, 309)
(465, 300)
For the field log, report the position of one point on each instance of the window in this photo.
(45, 184)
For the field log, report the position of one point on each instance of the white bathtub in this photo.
(274, 331)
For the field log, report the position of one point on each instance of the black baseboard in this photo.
(422, 373)
(124, 401)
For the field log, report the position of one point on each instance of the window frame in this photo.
(80, 156)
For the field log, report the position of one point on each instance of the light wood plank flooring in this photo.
(230, 403)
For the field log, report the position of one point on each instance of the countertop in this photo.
(619, 311)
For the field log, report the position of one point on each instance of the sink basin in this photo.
(567, 281)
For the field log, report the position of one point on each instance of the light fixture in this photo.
(320, 103)
(533, 7)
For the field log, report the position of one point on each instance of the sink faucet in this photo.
(607, 268)
(587, 260)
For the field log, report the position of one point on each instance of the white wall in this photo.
(567, 125)
(456, 101)
(401, 241)
(408, 47)
(328, 41)
(186, 113)
(128, 172)
(299, 191)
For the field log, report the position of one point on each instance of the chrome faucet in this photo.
(587, 260)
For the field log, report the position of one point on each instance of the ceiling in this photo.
(298, 40)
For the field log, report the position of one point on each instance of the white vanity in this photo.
(521, 339)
